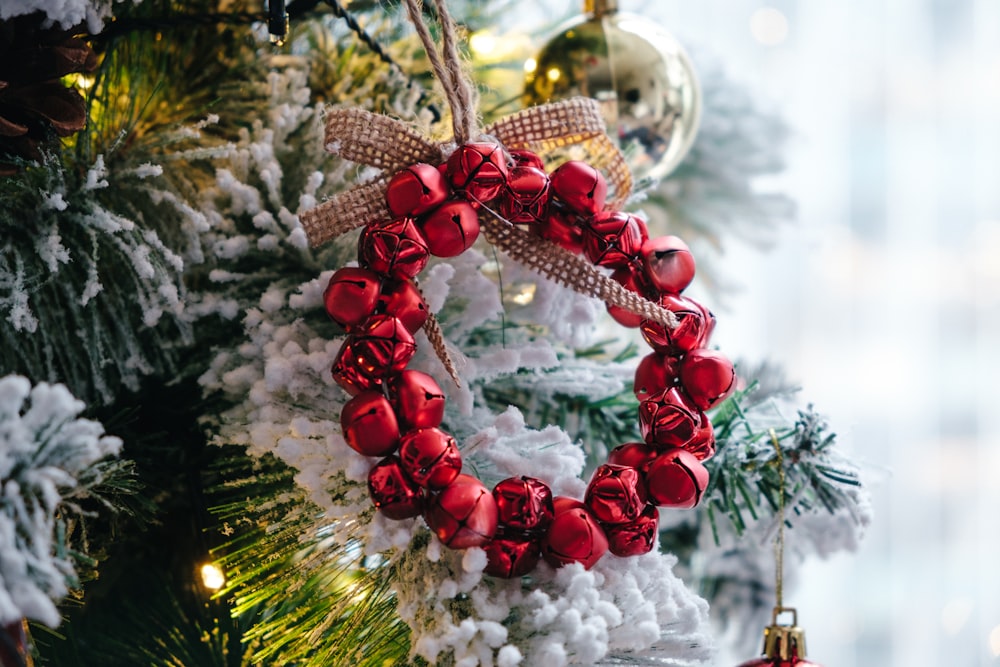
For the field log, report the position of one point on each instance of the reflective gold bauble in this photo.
(638, 72)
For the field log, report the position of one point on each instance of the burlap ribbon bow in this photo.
(574, 126)
(390, 145)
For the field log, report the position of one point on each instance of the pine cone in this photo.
(34, 104)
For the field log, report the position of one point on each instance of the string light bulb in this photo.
(212, 576)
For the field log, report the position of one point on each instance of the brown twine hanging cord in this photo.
(391, 145)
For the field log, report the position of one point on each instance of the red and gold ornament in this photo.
(784, 645)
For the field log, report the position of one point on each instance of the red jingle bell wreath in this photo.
(565, 222)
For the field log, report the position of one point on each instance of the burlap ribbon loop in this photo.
(377, 141)
(391, 145)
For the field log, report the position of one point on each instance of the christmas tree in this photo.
(162, 162)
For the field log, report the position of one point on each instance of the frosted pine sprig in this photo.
(48, 457)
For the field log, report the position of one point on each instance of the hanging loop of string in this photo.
(779, 542)
(461, 94)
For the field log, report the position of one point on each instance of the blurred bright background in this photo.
(883, 298)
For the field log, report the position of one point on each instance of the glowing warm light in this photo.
(955, 614)
(482, 43)
(530, 65)
(769, 26)
(83, 82)
(553, 74)
(995, 641)
(212, 577)
(525, 296)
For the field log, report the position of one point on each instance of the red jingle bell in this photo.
(625, 277)
(524, 503)
(402, 300)
(479, 170)
(416, 190)
(669, 263)
(394, 248)
(777, 662)
(430, 457)
(636, 537)
(654, 375)
(450, 229)
(669, 420)
(613, 238)
(383, 346)
(561, 227)
(633, 454)
(348, 374)
(676, 479)
(694, 326)
(565, 503)
(351, 295)
(527, 196)
(707, 377)
(511, 555)
(392, 492)
(574, 536)
(14, 648)
(418, 399)
(369, 424)
(463, 514)
(616, 494)
(580, 186)
(523, 158)
(702, 445)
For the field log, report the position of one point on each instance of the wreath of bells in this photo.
(396, 413)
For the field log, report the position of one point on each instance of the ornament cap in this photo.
(600, 7)
(785, 642)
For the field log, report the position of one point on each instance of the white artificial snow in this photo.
(44, 448)
(66, 13)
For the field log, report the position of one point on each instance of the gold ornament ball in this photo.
(636, 70)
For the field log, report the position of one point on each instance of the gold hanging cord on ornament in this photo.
(784, 645)
(781, 641)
